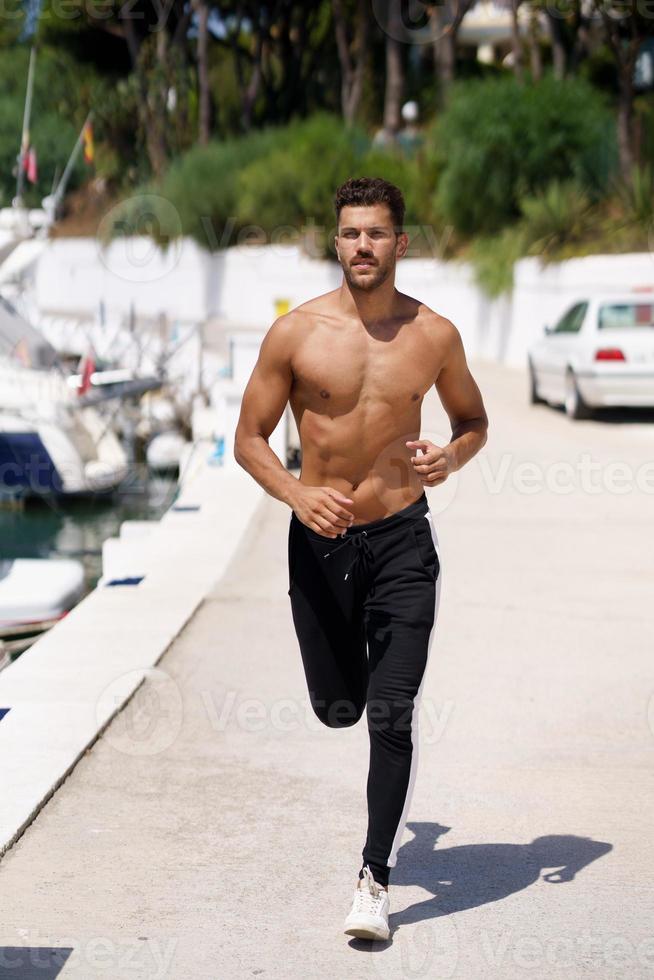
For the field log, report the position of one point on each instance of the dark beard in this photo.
(372, 281)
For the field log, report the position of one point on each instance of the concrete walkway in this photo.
(215, 829)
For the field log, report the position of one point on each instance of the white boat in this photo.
(49, 444)
(35, 594)
(72, 453)
(35, 591)
(165, 450)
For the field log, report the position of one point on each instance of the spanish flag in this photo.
(88, 142)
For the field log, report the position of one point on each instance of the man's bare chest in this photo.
(332, 377)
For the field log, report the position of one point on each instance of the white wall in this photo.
(74, 274)
(247, 280)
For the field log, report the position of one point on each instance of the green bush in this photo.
(559, 215)
(225, 188)
(294, 184)
(274, 185)
(499, 141)
(203, 185)
(557, 222)
(637, 195)
(493, 258)
(269, 179)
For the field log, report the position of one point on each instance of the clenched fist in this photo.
(321, 508)
(435, 464)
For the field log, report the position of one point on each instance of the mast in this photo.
(25, 136)
(61, 186)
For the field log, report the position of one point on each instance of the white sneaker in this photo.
(368, 918)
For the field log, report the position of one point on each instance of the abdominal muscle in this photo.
(349, 455)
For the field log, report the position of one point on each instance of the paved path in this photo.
(215, 829)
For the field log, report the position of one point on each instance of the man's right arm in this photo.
(264, 400)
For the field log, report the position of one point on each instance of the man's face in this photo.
(367, 246)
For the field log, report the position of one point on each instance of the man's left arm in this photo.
(461, 399)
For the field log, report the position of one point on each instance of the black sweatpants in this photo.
(364, 607)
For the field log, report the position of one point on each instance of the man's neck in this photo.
(371, 307)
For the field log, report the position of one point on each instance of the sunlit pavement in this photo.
(215, 829)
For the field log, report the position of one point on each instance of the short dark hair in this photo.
(366, 191)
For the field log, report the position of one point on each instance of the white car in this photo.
(599, 354)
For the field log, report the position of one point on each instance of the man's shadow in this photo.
(469, 875)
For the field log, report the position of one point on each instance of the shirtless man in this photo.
(363, 553)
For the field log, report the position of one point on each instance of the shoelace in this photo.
(363, 549)
(369, 895)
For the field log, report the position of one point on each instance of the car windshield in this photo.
(613, 315)
(572, 319)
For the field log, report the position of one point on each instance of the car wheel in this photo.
(534, 397)
(575, 406)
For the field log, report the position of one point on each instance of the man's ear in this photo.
(336, 246)
(402, 244)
